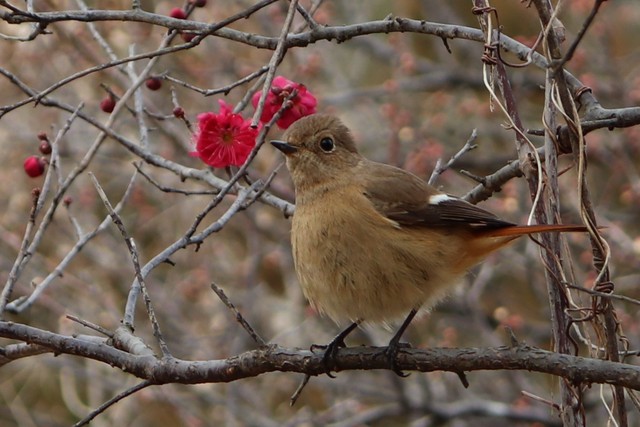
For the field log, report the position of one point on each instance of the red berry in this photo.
(34, 166)
(42, 136)
(187, 37)
(45, 147)
(178, 113)
(108, 104)
(199, 3)
(67, 200)
(154, 83)
(177, 13)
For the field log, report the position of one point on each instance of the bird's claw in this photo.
(331, 349)
(391, 354)
(330, 353)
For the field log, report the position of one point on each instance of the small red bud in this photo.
(67, 201)
(34, 166)
(187, 37)
(153, 83)
(108, 104)
(178, 113)
(177, 13)
(45, 147)
(42, 136)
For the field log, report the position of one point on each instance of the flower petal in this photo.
(224, 138)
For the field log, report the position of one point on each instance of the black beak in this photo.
(284, 147)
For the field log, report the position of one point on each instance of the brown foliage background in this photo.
(409, 103)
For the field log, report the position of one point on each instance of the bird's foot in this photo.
(391, 351)
(330, 353)
(391, 354)
(331, 349)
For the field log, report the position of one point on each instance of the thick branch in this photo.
(338, 33)
(274, 358)
(611, 118)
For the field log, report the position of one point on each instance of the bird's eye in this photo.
(327, 145)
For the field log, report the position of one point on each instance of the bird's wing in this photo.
(409, 201)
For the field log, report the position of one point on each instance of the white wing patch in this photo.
(439, 198)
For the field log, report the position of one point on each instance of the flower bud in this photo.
(108, 104)
(153, 83)
(34, 166)
(45, 147)
(177, 13)
(178, 113)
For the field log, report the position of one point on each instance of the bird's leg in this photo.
(331, 349)
(394, 345)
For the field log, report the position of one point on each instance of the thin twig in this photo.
(261, 190)
(14, 273)
(224, 89)
(572, 49)
(22, 304)
(239, 317)
(189, 238)
(277, 56)
(307, 17)
(541, 399)
(73, 175)
(90, 325)
(440, 168)
(32, 236)
(135, 259)
(166, 189)
(115, 399)
(604, 295)
(296, 394)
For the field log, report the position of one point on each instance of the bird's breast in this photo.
(355, 264)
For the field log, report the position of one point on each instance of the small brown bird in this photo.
(372, 242)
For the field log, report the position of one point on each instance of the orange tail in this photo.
(520, 230)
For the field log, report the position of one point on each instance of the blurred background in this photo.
(409, 102)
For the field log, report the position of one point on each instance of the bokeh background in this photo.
(409, 102)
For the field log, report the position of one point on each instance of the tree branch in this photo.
(273, 358)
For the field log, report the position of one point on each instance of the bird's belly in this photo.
(349, 272)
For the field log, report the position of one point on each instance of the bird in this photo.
(373, 243)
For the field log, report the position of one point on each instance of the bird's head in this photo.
(319, 149)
